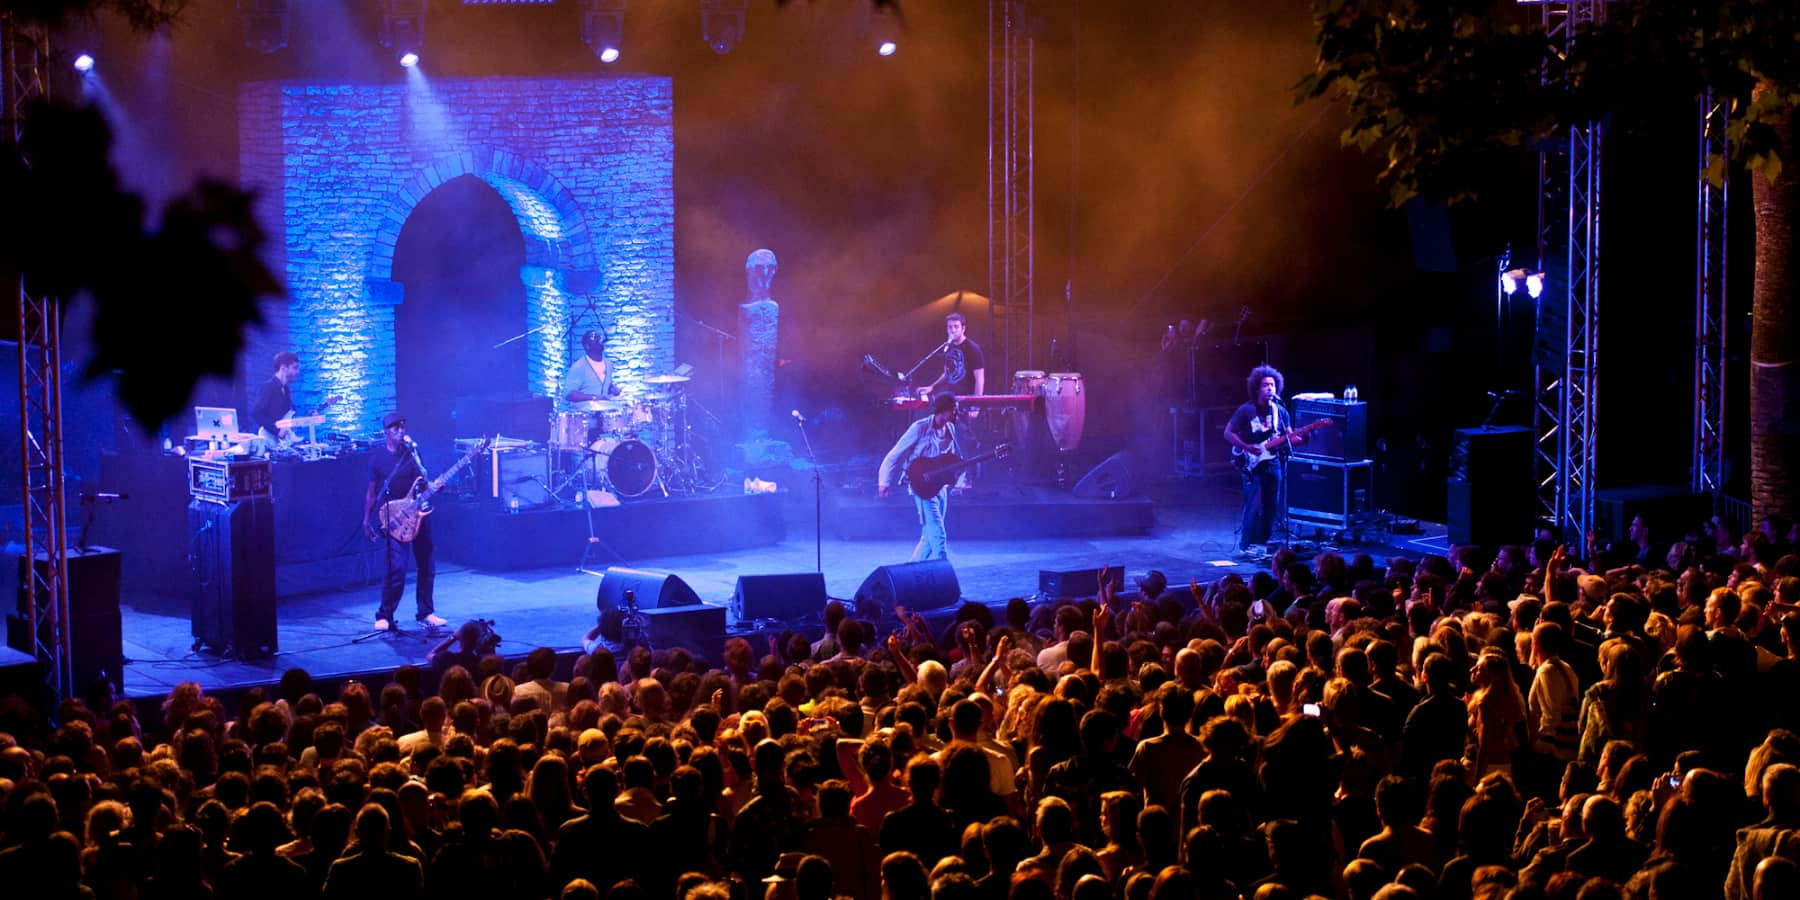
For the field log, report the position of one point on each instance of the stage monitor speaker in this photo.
(778, 597)
(1109, 480)
(1490, 515)
(233, 557)
(698, 628)
(94, 627)
(1078, 583)
(917, 586)
(1347, 440)
(653, 590)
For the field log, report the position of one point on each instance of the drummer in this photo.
(589, 380)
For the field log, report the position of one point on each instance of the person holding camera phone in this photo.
(471, 645)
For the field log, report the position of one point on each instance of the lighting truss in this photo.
(1708, 475)
(44, 587)
(1567, 385)
(1012, 31)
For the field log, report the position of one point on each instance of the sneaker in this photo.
(434, 620)
(382, 625)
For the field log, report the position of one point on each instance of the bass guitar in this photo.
(928, 475)
(400, 518)
(1248, 462)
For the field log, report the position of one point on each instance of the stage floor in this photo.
(329, 633)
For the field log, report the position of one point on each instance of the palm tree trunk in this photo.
(1774, 382)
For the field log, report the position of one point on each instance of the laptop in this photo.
(215, 422)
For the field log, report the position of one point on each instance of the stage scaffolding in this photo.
(1710, 323)
(1013, 28)
(1567, 385)
(44, 586)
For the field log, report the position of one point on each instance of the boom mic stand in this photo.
(818, 497)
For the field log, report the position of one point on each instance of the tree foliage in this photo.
(1444, 91)
(172, 302)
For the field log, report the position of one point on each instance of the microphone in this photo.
(407, 438)
(103, 495)
(797, 416)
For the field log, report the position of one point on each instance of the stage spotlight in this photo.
(887, 48)
(884, 27)
(1513, 279)
(722, 24)
(84, 63)
(403, 29)
(603, 27)
(265, 24)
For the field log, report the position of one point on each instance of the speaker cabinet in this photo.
(1347, 440)
(1498, 456)
(779, 597)
(94, 628)
(233, 557)
(1110, 480)
(1078, 583)
(917, 586)
(518, 479)
(652, 590)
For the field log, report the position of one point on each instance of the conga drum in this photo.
(1065, 408)
(1028, 381)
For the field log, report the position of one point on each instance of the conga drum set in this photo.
(1063, 398)
(629, 447)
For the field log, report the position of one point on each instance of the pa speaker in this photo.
(922, 585)
(1078, 582)
(652, 590)
(232, 609)
(95, 651)
(1110, 479)
(780, 597)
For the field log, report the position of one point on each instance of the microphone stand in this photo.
(818, 497)
(907, 378)
(719, 337)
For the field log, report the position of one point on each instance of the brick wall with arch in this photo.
(586, 165)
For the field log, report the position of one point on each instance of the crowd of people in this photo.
(1470, 725)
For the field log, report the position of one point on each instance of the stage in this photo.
(328, 633)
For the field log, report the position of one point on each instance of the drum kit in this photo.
(629, 447)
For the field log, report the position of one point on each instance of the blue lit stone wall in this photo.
(585, 163)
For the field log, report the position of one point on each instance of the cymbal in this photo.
(660, 396)
(667, 379)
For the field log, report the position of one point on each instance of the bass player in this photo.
(1249, 433)
(393, 470)
(934, 435)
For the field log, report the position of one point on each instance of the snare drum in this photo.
(629, 464)
(1028, 381)
(1065, 408)
(617, 418)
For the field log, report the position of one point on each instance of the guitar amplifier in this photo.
(1345, 441)
(1328, 493)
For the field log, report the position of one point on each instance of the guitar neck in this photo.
(438, 483)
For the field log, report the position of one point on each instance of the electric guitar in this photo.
(1248, 462)
(400, 518)
(928, 475)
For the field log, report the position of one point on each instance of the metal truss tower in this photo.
(1012, 31)
(1567, 384)
(45, 586)
(1708, 469)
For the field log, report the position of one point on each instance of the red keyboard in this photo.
(985, 401)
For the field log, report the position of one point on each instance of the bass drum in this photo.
(1065, 408)
(629, 464)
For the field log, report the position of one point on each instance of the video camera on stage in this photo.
(488, 639)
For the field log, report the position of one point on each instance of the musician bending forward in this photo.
(393, 469)
(933, 435)
(1248, 433)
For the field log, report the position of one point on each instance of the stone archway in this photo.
(586, 164)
